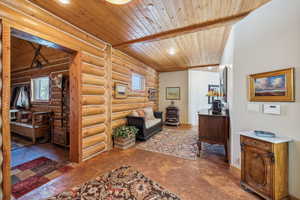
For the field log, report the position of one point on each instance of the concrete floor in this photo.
(207, 178)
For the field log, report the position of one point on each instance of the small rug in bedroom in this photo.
(179, 143)
(124, 183)
(31, 175)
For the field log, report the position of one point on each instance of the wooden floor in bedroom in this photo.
(207, 178)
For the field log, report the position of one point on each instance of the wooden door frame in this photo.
(75, 107)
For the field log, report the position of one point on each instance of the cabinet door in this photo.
(257, 167)
(212, 128)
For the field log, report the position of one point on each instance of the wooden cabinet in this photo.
(214, 129)
(265, 168)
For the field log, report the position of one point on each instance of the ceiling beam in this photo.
(173, 69)
(187, 29)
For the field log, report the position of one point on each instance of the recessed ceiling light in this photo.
(65, 1)
(119, 2)
(172, 51)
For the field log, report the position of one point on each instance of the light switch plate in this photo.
(272, 109)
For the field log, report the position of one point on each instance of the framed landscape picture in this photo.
(276, 86)
(120, 91)
(173, 93)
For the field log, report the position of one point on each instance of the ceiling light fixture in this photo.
(118, 2)
(65, 1)
(210, 68)
(172, 51)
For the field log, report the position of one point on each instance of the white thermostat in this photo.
(271, 109)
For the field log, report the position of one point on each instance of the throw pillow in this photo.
(149, 113)
(141, 113)
(135, 113)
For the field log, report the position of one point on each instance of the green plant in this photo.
(125, 131)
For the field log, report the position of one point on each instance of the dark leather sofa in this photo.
(146, 129)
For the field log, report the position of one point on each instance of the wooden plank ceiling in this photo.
(195, 30)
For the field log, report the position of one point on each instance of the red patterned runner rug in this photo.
(31, 175)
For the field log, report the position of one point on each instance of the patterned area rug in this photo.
(30, 175)
(179, 143)
(18, 142)
(124, 183)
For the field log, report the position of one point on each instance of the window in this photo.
(137, 82)
(40, 89)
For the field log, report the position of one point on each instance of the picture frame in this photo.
(121, 91)
(274, 86)
(223, 84)
(173, 93)
(152, 94)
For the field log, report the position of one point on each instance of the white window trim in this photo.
(143, 84)
(32, 90)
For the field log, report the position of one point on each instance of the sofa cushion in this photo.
(149, 113)
(153, 122)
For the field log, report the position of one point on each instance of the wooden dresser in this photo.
(214, 129)
(265, 165)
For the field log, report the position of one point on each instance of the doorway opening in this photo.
(39, 111)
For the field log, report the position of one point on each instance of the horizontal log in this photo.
(135, 68)
(95, 60)
(92, 100)
(126, 107)
(134, 94)
(92, 110)
(93, 130)
(118, 123)
(93, 69)
(93, 120)
(120, 115)
(119, 77)
(92, 140)
(130, 100)
(137, 94)
(117, 54)
(120, 69)
(118, 61)
(92, 90)
(90, 151)
(92, 80)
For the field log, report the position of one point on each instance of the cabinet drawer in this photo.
(256, 143)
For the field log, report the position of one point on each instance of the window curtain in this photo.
(21, 98)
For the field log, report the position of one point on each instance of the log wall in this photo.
(122, 68)
(94, 104)
(93, 72)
